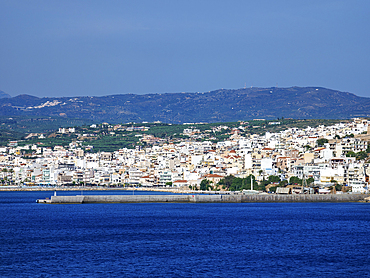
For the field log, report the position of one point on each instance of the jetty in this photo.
(204, 198)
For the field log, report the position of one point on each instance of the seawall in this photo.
(263, 198)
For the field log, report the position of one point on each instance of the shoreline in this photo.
(101, 188)
(205, 198)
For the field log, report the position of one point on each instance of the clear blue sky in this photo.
(78, 48)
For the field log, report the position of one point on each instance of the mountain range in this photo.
(215, 106)
(4, 95)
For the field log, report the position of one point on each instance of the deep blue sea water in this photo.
(182, 240)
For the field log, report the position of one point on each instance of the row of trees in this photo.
(236, 184)
(359, 155)
(232, 183)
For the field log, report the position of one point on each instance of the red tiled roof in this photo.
(213, 176)
(178, 181)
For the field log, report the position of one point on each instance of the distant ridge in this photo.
(4, 95)
(216, 106)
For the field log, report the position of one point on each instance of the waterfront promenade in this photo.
(205, 198)
(95, 188)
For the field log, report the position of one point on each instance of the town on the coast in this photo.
(315, 160)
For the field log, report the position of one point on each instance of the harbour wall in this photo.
(234, 198)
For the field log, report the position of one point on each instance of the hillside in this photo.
(4, 95)
(215, 106)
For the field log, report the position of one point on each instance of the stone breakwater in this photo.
(72, 188)
(263, 198)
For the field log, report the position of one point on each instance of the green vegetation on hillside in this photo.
(28, 124)
(215, 106)
(9, 135)
(107, 137)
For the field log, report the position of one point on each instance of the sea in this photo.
(181, 240)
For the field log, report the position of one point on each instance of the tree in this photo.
(307, 147)
(227, 181)
(272, 189)
(205, 184)
(262, 185)
(361, 155)
(338, 187)
(235, 184)
(295, 180)
(273, 179)
(283, 183)
(320, 142)
(310, 180)
(247, 184)
(351, 154)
